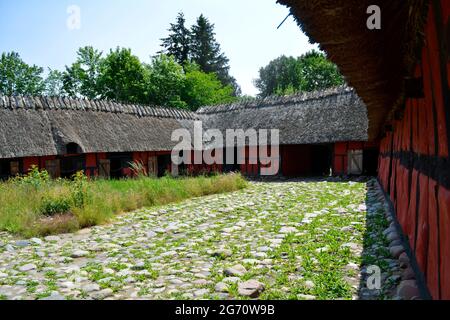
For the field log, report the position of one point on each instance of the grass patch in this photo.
(35, 205)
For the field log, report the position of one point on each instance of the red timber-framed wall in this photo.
(341, 150)
(250, 167)
(414, 160)
(296, 160)
(92, 162)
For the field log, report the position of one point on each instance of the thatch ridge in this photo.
(81, 104)
(275, 100)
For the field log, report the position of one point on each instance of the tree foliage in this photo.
(121, 77)
(54, 83)
(118, 76)
(191, 73)
(203, 89)
(81, 78)
(205, 50)
(178, 42)
(170, 84)
(287, 75)
(199, 45)
(165, 82)
(17, 77)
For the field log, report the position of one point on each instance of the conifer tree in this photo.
(177, 44)
(207, 54)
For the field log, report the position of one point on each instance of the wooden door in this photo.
(153, 166)
(53, 168)
(355, 162)
(104, 168)
(14, 168)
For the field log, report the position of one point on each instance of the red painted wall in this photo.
(142, 158)
(296, 160)
(341, 149)
(91, 162)
(29, 162)
(414, 156)
(43, 159)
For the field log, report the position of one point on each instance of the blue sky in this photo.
(246, 30)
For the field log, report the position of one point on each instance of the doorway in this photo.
(234, 166)
(164, 163)
(119, 162)
(321, 160)
(70, 165)
(370, 161)
(9, 168)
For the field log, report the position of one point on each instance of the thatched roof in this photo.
(38, 126)
(320, 117)
(374, 62)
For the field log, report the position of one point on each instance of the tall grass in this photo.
(36, 206)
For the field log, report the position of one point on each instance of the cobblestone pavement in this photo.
(279, 240)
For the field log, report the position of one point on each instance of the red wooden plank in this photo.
(432, 275)
(422, 227)
(340, 148)
(428, 103)
(405, 217)
(444, 234)
(434, 61)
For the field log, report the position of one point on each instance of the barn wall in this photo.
(296, 160)
(414, 163)
(340, 154)
(92, 161)
(141, 158)
(252, 165)
(29, 162)
(91, 165)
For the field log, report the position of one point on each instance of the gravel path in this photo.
(284, 240)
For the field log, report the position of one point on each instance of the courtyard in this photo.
(295, 239)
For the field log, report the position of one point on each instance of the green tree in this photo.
(202, 89)
(54, 83)
(207, 54)
(168, 84)
(122, 77)
(317, 72)
(177, 44)
(287, 75)
(81, 78)
(165, 82)
(17, 77)
(279, 75)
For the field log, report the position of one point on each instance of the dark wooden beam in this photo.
(414, 88)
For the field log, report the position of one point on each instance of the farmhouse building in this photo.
(402, 73)
(318, 132)
(65, 135)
